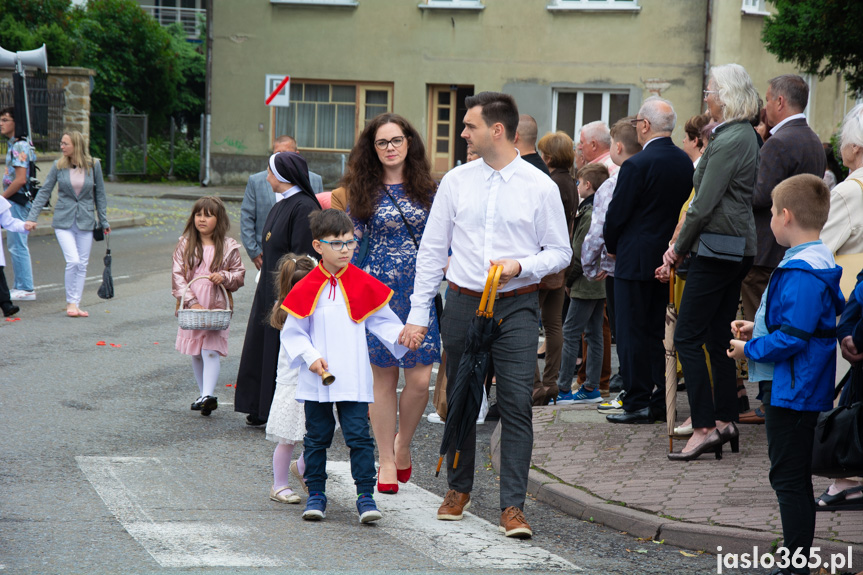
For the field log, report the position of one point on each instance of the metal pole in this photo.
(146, 117)
(173, 130)
(203, 140)
(113, 146)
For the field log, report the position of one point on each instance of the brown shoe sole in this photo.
(447, 517)
(518, 532)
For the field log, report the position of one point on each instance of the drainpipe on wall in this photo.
(708, 23)
(209, 93)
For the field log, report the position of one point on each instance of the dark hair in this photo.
(832, 162)
(693, 127)
(8, 110)
(594, 173)
(807, 197)
(496, 107)
(194, 251)
(291, 269)
(331, 222)
(624, 132)
(363, 179)
(757, 118)
(793, 88)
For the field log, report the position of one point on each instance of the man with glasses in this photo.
(651, 187)
(18, 158)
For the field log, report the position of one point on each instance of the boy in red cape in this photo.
(329, 311)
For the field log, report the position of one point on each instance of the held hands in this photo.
(412, 336)
(511, 268)
(849, 350)
(29, 226)
(671, 258)
(216, 278)
(319, 367)
(663, 273)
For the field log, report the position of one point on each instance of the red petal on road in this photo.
(100, 343)
(155, 343)
(13, 319)
(116, 345)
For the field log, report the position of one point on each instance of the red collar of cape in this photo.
(364, 295)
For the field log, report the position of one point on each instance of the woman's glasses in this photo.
(338, 245)
(397, 142)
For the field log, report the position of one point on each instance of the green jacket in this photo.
(579, 286)
(724, 183)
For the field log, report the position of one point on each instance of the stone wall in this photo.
(76, 84)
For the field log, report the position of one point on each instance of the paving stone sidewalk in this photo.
(619, 475)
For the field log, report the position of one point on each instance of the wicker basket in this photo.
(206, 319)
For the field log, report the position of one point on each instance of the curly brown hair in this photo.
(363, 179)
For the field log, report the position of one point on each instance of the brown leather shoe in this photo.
(755, 416)
(454, 506)
(513, 524)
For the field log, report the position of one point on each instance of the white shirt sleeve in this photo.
(297, 343)
(385, 325)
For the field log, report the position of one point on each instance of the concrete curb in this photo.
(130, 222)
(645, 524)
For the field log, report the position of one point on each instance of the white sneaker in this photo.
(21, 295)
(433, 417)
(613, 406)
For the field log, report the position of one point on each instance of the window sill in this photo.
(754, 13)
(335, 3)
(559, 8)
(474, 8)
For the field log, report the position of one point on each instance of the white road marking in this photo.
(171, 543)
(472, 543)
(152, 502)
(49, 287)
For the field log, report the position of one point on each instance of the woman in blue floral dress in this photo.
(390, 189)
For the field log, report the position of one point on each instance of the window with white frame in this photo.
(593, 5)
(329, 116)
(453, 4)
(575, 108)
(349, 3)
(757, 7)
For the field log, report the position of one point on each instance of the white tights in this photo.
(206, 367)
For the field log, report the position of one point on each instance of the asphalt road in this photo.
(104, 469)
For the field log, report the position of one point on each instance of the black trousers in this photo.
(708, 307)
(790, 435)
(5, 296)
(640, 330)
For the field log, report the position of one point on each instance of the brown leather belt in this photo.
(500, 295)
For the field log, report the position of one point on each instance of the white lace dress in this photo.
(287, 420)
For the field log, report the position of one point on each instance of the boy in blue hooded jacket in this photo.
(795, 330)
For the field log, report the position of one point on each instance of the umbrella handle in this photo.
(484, 299)
(493, 292)
(671, 286)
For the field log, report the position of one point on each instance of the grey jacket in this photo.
(258, 200)
(71, 208)
(724, 183)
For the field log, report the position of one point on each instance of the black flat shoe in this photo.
(839, 501)
(713, 442)
(209, 404)
(10, 310)
(637, 416)
(196, 405)
(254, 421)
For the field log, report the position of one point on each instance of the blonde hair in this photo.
(80, 154)
(557, 147)
(738, 96)
(807, 197)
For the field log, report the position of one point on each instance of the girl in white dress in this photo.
(286, 424)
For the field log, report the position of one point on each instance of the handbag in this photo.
(438, 300)
(721, 247)
(837, 450)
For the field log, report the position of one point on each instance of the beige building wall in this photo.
(516, 46)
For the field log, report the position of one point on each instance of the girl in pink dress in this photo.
(204, 250)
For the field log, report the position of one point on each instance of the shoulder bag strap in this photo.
(404, 219)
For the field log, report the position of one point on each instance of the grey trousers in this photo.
(514, 355)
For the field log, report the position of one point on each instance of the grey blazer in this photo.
(71, 208)
(258, 200)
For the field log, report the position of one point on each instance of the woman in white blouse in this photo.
(80, 195)
(843, 232)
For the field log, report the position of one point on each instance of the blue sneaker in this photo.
(367, 509)
(316, 507)
(564, 397)
(585, 396)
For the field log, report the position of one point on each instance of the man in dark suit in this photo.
(792, 148)
(651, 187)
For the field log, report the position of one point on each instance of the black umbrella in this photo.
(106, 290)
(464, 393)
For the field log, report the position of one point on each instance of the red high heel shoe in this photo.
(391, 488)
(404, 475)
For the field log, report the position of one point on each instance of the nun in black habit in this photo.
(286, 230)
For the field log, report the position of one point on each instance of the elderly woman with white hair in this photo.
(719, 230)
(843, 235)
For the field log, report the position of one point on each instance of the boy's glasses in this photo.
(339, 245)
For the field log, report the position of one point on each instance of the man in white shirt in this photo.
(594, 143)
(500, 211)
